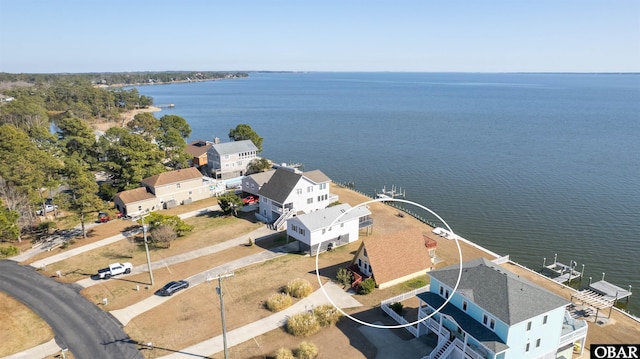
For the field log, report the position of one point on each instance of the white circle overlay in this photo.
(455, 237)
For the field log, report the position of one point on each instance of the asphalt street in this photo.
(79, 325)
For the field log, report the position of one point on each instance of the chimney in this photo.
(216, 140)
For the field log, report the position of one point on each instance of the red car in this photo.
(103, 217)
(250, 200)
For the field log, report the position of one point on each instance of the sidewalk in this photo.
(126, 314)
(91, 246)
(41, 351)
(249, 331)
(260, 233)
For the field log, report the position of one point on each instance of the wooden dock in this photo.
(565, 272)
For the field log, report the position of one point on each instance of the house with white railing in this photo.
(288, 193)
(496, 314)
(230, 159)
(328, 228)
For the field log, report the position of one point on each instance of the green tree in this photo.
(146, 125)
(129, 158)
(76, 138)
(245, 132)
(9, 229)
(82, 190)
(155, 220)
(229, 203)
(174, 147)
(367, 286)
(25, 112)
(168, 122)
(258, 165)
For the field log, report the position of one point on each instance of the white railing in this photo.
(501, 260)
(399, 319)
(576, 334)
(406, 295)
(283, 219)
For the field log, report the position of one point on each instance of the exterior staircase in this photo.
(282, 220)
(441, 351)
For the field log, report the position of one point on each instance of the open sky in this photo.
(329, 35)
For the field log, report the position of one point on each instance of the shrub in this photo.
(306, 350)
(284, 353)
(250, 242)
(397, 307)
(344, 277)
(299, 288)
(278, 302)
(327, 315)
(9, 251)
(302, 324)
(367, 286)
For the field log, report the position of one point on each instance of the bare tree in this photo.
(163, 235)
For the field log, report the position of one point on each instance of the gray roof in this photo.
(262, 177)
(483, 334)
(280, 185)
(317, 176)
(233, 147)
(500, 292)
(324, 217)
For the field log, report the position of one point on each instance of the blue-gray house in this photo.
(496, 314)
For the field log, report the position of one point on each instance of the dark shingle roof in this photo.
(499, 291)
(485, 335)
(280, 185)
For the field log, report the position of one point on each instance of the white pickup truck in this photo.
(114, 269)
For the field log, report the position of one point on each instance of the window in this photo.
(485, 319)
(441, 291)
(323, 186)
(492, 324)
(538, 342)
(178, 185)
(309, 200)
(294, 228)
(544, 320)
(446, 293)
(302, 231)
(526, 348)
(359, 262)
(298, 190)
(309, 189)
(528, 326)
(464, 305)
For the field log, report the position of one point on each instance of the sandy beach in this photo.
(125, 118)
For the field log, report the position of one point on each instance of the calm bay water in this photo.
(523, 164)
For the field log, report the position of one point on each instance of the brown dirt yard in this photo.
(21, 328)
(248, 290)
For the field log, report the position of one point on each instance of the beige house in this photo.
(165, 190)
(394, 258)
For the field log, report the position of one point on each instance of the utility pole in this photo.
(224, 326)
(146, 248)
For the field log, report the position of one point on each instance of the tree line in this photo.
(36, 160)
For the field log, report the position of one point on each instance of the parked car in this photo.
(46, 209)
(173, 287)
(103, 217)
(250, 200)
(114, 269)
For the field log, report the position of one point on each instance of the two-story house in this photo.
(314, 231)
(496, 314)
(230, 159)
(165, 190)
(288, 193)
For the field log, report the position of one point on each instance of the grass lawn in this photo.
(208, 230)
(21, 328)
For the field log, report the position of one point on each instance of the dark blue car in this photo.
(173, 287)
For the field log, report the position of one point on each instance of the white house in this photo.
(251, 184)
(496, 314)
(288, 193)
(314, 232)
(230, 159)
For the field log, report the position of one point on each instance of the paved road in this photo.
(78, 324)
